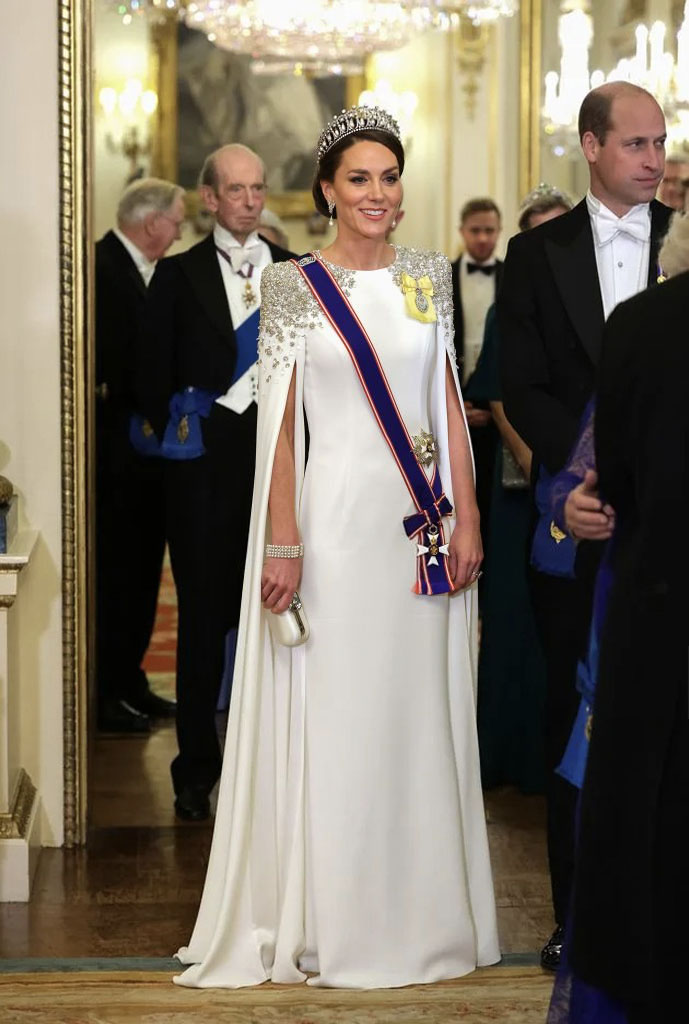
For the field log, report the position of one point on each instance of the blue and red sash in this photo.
(432, 568)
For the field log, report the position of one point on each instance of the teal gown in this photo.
(511, 669)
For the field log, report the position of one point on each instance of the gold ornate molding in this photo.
(14, 823)
(74, 124)
(164, 74)
(530, 61)
(471, 42)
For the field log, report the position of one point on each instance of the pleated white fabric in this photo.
(350, 837)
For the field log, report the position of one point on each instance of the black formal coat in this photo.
(457, 305)
(120, 305)
(625, 857)
(190, 340)
(550, 314)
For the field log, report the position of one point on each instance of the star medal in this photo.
(425, 447)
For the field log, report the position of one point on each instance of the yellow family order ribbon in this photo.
(418, 298)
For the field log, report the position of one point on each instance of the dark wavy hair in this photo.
(331, 160)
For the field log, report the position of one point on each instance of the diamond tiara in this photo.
(356, 119)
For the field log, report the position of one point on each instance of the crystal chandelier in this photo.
(320, 36)
(651, 67)
(317, 34)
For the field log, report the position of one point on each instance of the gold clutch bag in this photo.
(291, 627)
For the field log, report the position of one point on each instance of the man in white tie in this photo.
(561, 281)
(130, 511)
(198, 387)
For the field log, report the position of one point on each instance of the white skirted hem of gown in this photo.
(350, 838)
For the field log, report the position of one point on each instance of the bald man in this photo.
(561, 281)
(198, 388)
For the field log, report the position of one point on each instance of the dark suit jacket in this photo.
(120, 305)
(458, 312)
(189, 338)
(550, 315)
(642, 452)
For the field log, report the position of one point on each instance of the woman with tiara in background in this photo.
(350, 842)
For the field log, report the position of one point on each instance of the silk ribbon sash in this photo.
(183, 438)
(432, 569)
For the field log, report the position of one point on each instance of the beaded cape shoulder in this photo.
(289, 309)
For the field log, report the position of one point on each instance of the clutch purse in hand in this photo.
(513, 478)
(291, 627)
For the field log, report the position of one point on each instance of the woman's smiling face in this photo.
(366, 190)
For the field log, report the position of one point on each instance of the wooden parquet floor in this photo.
(134, 890)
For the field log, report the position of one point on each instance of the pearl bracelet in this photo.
(284, 550)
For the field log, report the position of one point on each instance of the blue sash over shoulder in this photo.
(183, 438)
(432, 569)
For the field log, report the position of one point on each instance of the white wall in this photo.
(30, 379)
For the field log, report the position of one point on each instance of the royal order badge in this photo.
(425, 448)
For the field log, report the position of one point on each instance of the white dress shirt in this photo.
(477, 292)
(143, 264)
(622, 246)
(245, 390)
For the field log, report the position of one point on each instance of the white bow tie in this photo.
(240, 255)
(607, 226)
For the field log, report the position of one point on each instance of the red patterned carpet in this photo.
(161, 658)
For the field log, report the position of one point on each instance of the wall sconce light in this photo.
(127, 113)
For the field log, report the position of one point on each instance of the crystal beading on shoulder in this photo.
(288, 310)
(356, 119)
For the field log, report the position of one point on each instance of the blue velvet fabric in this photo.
(192, 404)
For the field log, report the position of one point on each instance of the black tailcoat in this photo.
(129, 488)
(551, 319)
(631, 891)
(190, 339)
(190, 342)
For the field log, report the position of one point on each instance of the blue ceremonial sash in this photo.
(183, 438)
(247, 345)
(142, 437)
(432, 569)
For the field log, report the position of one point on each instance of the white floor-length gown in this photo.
(350, 838)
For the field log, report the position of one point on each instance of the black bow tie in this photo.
(488, 271)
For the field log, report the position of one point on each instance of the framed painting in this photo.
(209, 96)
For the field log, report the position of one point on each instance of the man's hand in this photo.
(586, 516)
(477, 417)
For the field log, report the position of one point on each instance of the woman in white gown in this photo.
(350, 839)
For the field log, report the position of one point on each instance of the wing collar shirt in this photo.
(243, 298)
(622, 246)
(478, 295)
(142, 263)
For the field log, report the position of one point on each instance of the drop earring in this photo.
(331, 210)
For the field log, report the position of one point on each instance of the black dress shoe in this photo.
(151, 704)
(118, 716)
(192, 804)
(552, 951)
